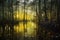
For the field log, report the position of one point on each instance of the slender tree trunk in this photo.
(45, 10)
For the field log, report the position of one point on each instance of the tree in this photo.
(6, 15)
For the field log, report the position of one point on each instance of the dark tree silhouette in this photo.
(6, 15)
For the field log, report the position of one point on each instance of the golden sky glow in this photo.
(20, 15)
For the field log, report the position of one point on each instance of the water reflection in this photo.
(28, 29)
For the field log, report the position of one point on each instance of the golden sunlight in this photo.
(27, 28)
